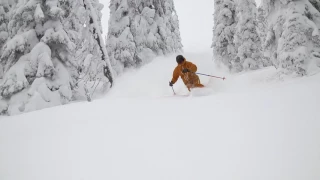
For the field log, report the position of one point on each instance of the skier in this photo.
(186, 70)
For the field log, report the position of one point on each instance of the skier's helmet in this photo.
(180, 59)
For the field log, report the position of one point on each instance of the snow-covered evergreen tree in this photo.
(139, 30)
(4, 19)
(316, 4)
(224, 49)
(246, 38)
(42, 60)
(293, 35)
(262, 25)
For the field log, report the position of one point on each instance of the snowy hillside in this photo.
(253, 126)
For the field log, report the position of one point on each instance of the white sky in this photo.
(196, 22)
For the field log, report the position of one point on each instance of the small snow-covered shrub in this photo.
(3, 107)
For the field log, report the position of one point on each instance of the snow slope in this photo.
(252, 127)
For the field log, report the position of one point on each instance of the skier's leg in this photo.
(189, 86)
(198, 83)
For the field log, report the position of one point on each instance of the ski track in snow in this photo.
(251, 127)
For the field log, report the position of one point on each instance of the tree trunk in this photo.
(107, 68)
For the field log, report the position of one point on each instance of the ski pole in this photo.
(173, 89)
(211, 76)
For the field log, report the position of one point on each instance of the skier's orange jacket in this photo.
(190, 78)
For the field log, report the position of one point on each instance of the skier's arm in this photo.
(175, 76)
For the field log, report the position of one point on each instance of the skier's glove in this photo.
(170, 84)
(185, 70)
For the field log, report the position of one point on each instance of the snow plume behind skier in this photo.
(186, 70)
